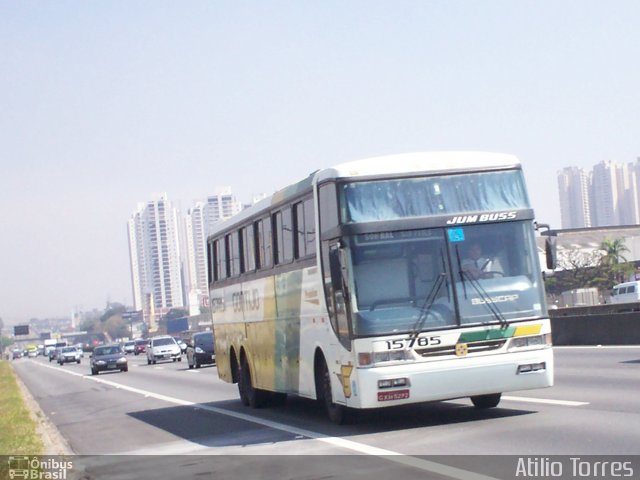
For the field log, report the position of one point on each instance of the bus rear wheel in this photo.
(486, 401)
(250, 396)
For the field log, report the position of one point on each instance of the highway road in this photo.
(167, 409)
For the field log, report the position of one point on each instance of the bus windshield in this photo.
(444, 277)
(427, 196)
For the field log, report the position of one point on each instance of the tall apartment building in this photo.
(196, 230)
(606, 196)
(198, 221)
(154, 250)
(573, 186)
(220, 206)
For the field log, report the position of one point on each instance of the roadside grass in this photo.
(18, 434)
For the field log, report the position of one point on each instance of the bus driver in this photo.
(477, 265)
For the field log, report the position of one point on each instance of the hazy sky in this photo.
(105, 103)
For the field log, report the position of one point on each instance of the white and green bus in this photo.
(382, 282)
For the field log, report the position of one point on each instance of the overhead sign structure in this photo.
(21, 330)
(134, 315)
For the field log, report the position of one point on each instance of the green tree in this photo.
(116, 327)
(176, 313)
(111, 310)
(91, 326)
(613, 251)
(614, 260)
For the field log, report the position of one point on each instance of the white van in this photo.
(626, 292)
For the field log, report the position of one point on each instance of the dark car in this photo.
(200, 350)
(17, 353)
(53, 354)
(108, 357)
(141, 346)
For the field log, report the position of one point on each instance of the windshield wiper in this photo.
(493, 308)
(491, 305)
(426, 306)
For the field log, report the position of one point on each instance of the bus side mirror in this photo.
(550, 252)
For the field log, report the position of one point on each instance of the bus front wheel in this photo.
(486, 401)
(336, 413)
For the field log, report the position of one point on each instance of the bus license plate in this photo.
(395, 395)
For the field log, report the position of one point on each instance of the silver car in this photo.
(69, 354)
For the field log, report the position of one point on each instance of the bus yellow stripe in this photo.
(523, 330)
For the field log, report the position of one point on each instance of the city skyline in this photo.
(108, 103)
(607, 195)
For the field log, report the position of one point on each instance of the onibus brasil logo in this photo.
(35, 468)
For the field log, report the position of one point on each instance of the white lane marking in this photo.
(598, 347)
(193, 371)
(390, 455)
(548, 401)
(159, 368)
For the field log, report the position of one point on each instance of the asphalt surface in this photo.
(167, 409)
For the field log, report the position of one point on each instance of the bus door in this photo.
(340, 292)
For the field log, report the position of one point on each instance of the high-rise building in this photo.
(198, 221)
(607, 196)
(196, 230)
(573, 186)
(220, 206)
(154, 250)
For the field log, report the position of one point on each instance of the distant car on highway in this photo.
(108, 357)
(163, 347)
(53, 354)
(16, 354)
(200, 350)
(141, 346)
(129, 346)
(69, 354)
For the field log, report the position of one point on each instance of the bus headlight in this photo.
(371, 358)
(535, 341)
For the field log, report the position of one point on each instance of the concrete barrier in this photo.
(595, 328)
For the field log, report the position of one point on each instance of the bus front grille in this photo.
(474, 347)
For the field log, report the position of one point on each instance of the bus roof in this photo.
(419, 162)
(433, 163)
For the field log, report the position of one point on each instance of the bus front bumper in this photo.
(451, 378)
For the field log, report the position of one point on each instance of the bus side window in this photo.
(328, 207)
(211, 263)
(248, 249)
(278, 248)
(310, 227)
(287, 235)
(235, 259)
(263, 234)
(222, 270)
(283, 234)
(299, 242)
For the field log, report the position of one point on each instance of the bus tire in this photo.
(336, 413)
(486, 401)
(254, 396)
(236, 372)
